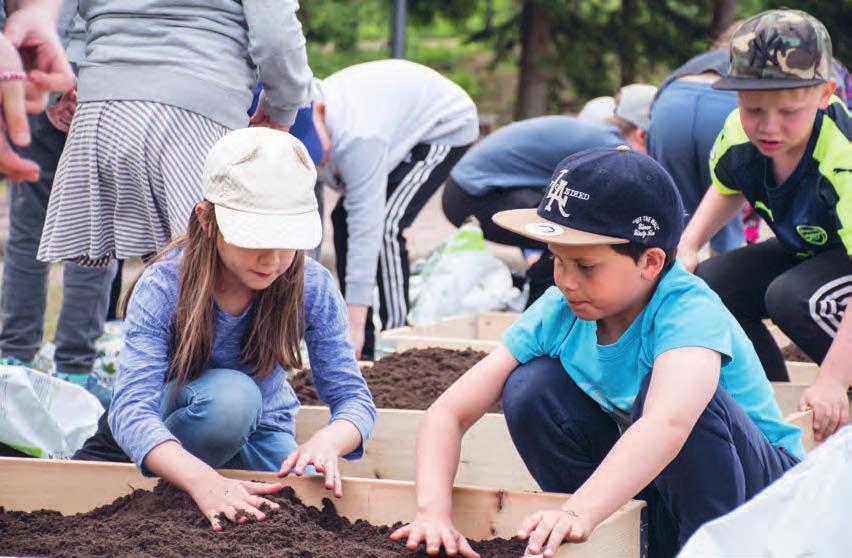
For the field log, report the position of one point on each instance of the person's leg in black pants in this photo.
(741, 278)
(808, 301)
(341, 247)
(459, 205)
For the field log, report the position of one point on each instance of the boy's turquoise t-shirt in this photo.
(683, 312)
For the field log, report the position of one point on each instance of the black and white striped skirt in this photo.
(127, 181)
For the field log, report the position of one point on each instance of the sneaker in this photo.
(87, 381)
(12, 361)
(76, 378)
(99, 390)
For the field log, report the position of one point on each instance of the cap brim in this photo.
(729, 83)
(269, 232)
(527, 222)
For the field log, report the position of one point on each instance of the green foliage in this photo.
(595, 45)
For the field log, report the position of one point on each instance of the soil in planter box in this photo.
(792, 353)
(411, 379)
(165, 523)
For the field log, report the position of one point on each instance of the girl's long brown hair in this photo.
(277, 323)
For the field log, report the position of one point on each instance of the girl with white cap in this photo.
(215, 321)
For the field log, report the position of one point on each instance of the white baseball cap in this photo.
(597, 110)
(261, 182)
(634, 104)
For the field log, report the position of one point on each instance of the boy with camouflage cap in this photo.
(786, 151)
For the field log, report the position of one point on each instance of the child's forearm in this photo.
(345, 435)
(628, 468)
(170, 461)
(836, 366)
(714, 211)
(437, 457)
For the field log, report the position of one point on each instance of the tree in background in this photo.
(564, 51)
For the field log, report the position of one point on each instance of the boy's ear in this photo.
(652, 262)
(825, 93)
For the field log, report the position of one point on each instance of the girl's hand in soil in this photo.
(224, 496)
(547, 529)
(322, 451)
(434, 532)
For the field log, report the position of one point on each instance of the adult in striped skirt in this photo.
(25, 279)
(391, 130)
(156, 91)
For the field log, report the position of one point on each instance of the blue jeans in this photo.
(563, 435)
(25, 279)
(215, 417)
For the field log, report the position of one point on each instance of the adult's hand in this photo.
(32, 30)
(61, 114)
(262, 119)
(13, 117)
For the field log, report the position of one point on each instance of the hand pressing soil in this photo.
(164, 523)
(411, 379)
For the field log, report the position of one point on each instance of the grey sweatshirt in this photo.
(376, 113)
(199, 55)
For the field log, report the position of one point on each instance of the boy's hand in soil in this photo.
(547, 529)
(829, 400)
(224, 496)
(435, 532)
(322, 451)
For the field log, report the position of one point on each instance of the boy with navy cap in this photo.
(628, 378)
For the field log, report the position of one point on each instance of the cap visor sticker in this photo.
(543, 229)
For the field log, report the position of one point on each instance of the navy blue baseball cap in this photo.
(303, 128)
(604, 196)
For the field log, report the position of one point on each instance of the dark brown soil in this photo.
(166, 524)
(411, 379)
(793, 353)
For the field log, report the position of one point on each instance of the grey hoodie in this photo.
(199, 55)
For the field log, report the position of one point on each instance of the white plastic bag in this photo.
(461, 279)
(804, 513)
(44, 416)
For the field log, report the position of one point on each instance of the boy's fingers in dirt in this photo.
(557, 535)
(448, 540)
(400, 533)
(415, 535)
(433, 541)
(529, 524)
(465, 549)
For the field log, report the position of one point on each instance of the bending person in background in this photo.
(391, 131)
(787, 151)
(511, 168)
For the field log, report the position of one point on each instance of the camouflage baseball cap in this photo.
(778, 49)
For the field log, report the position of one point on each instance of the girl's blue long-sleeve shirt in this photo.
(134, 414)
